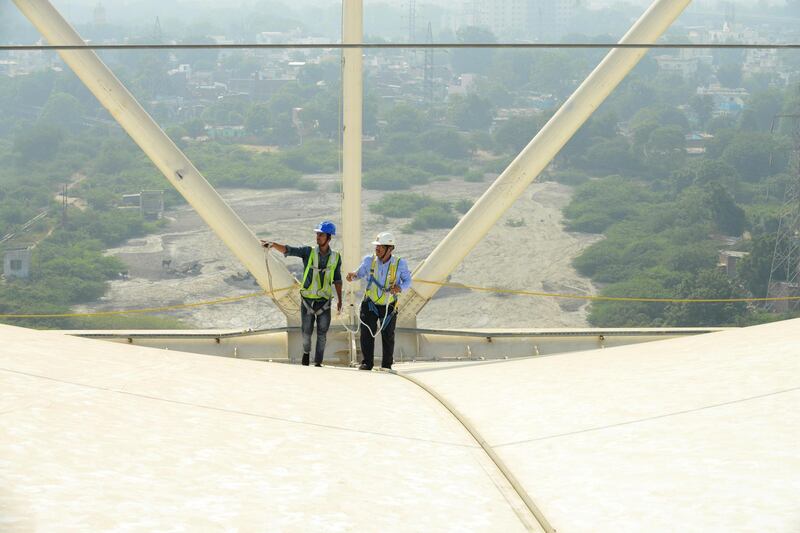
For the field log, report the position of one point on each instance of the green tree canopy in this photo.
(472, 112)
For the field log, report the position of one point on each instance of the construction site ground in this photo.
(527, 249)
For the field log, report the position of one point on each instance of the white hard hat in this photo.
(384, 239)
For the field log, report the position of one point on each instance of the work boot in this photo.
(363, 366)
(305, 359)
(317, 364)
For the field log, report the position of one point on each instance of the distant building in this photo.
(221, 39)
(149, 203)
(505, 18)
(696, 142)
(17, 262)
(686, 67)
(463, 84)
(131, 200)
(8, 67)
(685, 62)
(521, 19)
(504, 114)
(99, 15)
(225, 132)
(729, 260)
(549, 19)
(210, 91)
(726, 101)
(761, 61)
(152, 204)
(259, 88)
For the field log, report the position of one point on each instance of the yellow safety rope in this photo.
(428, 282)
(150, 309)
(603, 298)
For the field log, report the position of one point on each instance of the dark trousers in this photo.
(307, 319)
(374, 321)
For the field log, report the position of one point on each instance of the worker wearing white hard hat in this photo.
(387, 276)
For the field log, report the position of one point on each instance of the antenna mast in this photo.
(784, 273)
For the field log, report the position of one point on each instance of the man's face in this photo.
(380, 250)
(322, 239)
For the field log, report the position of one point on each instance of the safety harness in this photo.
(377, 293)
(320, 287)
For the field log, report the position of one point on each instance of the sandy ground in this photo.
(185, 262)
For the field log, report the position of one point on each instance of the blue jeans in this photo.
(323, 320)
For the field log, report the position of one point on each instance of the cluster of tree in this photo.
(661, 210)
(424, 211)
(662, 241)
(69, 268)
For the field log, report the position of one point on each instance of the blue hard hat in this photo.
(326, 226)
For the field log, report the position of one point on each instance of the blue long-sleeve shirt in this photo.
(382, 270)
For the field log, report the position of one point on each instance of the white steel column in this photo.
(352, 108)
(537, 155)
(169, 159)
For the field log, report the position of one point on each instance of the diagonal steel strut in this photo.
(511, 184)
(169, 159)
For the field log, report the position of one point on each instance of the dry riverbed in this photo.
(528, 249)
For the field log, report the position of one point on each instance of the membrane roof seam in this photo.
(513, 484)
(649, 418)
(241, 413)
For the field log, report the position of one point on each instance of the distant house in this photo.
(225, 132)
(726, 101)
(696, 142)
(258, 88)
(17, 262)
(465, 82)
(729, 260)
(761, 61)
(149, 203)
(7, 67)
(152, 204)
(686, 67)
(131, 200)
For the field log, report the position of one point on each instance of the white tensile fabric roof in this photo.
(694, 434)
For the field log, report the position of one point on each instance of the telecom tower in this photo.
(64, 204)
(412, 32)
(784, 274)
(158, 35)
(412, 20)
(428, 75)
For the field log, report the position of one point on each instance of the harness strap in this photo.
(310, 310)
(373, 307)
(388, 281)
(321, 278)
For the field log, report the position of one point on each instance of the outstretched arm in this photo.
(280, 247)
(362, 271)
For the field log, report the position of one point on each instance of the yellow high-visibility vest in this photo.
(321, 280)
(377, 293)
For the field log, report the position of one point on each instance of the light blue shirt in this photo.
(382, 270)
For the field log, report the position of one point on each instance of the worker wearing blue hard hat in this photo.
(322, 270)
